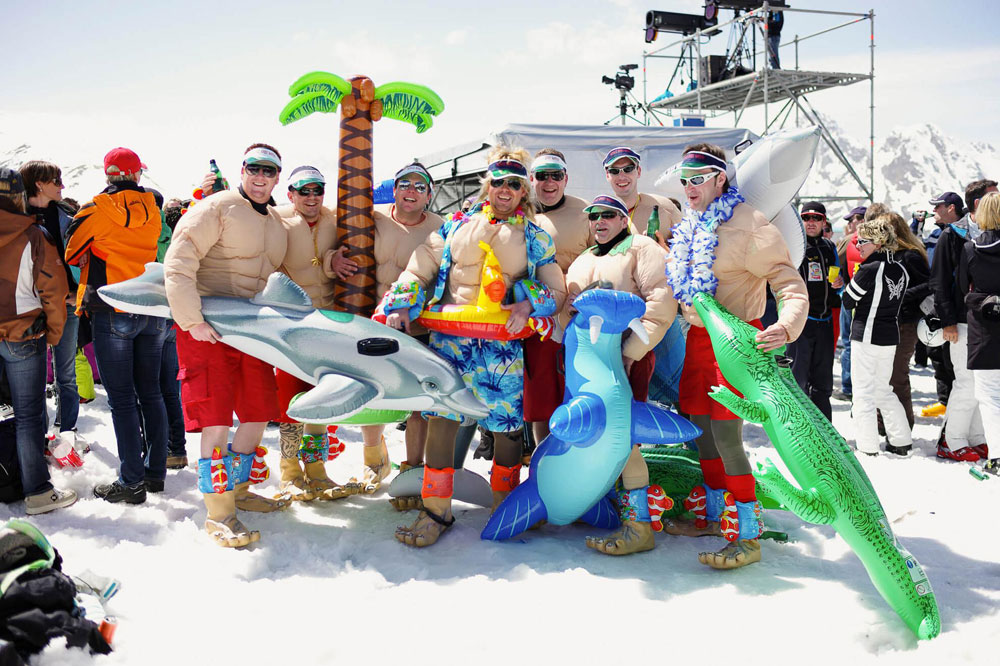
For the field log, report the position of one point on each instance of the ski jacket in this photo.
(820, 255)
(305, 244)
(56, 223)
(33, 296)
(751, 255)
(221, 247)
(949, 302)
(918, 288)
(669, 213)
(118, 231)
(979, 276)
(570, 229)
(875, 294)
(634, 265)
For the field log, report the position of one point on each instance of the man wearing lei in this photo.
(726, 248)
(622, 169)
(447, 269)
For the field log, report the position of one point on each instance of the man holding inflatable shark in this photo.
(726, 248)
(227, 245)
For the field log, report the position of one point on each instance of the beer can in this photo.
(108, 626)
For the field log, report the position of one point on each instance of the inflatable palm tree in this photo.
(361, 104)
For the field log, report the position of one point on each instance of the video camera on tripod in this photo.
(622, 80)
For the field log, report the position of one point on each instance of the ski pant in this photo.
(900, 379)
(812, 362)
(845, 354)
(871, 369)
(944, 376)
(965, 425)
(988, 394)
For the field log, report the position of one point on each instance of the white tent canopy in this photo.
(585, 147)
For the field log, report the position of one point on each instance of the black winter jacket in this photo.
(821, 254)
(949, 302)
(918, 288)
(875, 294)
(978, 277)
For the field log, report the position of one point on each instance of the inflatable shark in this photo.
(353, 362)
(593, 430)
(769, 174)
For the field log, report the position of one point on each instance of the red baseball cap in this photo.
(122, 162)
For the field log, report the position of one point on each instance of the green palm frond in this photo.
(410, 103)
(312, 92)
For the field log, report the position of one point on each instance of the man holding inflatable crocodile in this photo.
(726, 248)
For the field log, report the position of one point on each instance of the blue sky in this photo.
(183, 81)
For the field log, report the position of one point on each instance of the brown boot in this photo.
(377, 467)
(222, 524)
(248, 501)
(733, 555)
(293, 482)
(323, 486)
(433, 520)
(633, 537)
(689, 528)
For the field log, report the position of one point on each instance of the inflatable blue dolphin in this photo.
(593, 430)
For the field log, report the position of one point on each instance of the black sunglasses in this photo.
(316, 191)
(815, 217)
(57, 181)
(257, 169)
(557, 176)
(604, 214)
(614, 171)
(512, 183)
(409, 184)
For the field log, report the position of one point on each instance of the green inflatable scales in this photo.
(833, 488)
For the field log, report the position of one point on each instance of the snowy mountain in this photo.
(912, 164)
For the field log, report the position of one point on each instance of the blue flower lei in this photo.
(692, 247)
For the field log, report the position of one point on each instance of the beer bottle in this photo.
(220, 183)
(653, 225)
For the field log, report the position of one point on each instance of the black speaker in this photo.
(711, 69)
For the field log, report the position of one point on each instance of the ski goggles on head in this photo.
(502, 169)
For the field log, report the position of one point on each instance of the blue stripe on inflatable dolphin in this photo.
(593, 430)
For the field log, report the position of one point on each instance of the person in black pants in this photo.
(812, 353)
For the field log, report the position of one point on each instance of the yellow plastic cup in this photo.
(833, 273)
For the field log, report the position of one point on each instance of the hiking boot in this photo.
(116, 491)
(177, 462)
(899, 450)
(50, 500)
(154, 485)
(964, 454)
(931, 411)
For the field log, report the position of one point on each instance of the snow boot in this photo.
(436, 516)
(377, 467)
(636, 532)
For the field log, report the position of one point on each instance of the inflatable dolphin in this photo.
(769, 174)
(593, 430)
(353, 361)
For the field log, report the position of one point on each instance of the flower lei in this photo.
(487, 210)
(692, 247)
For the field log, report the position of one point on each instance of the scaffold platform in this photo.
(749, 90)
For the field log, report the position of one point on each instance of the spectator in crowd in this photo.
(169, 384)
(43, 186)
(875, 294)
(963, 427)
(32, 313)
(848, 244)
(112, 239)
(979, 280)
(812, 353)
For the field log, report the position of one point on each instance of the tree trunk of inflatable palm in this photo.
(361, 104)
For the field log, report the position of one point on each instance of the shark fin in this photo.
(581, 420)
(281, 292)
(335, 396)
(652, 424)
(602, 515)
(522, 509)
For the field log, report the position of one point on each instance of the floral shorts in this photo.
(493, 370)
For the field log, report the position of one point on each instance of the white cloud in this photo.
(456, 37)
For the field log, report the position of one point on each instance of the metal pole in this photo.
(796, 69)
(645, 99)
(871, 94)
(767, 66)
(697, 45)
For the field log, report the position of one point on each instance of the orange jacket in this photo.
(118, 230)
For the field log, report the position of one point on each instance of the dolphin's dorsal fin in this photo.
(281, 292)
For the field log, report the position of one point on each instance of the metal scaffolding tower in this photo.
(767, 86)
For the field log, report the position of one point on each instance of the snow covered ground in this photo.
(328, 583)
